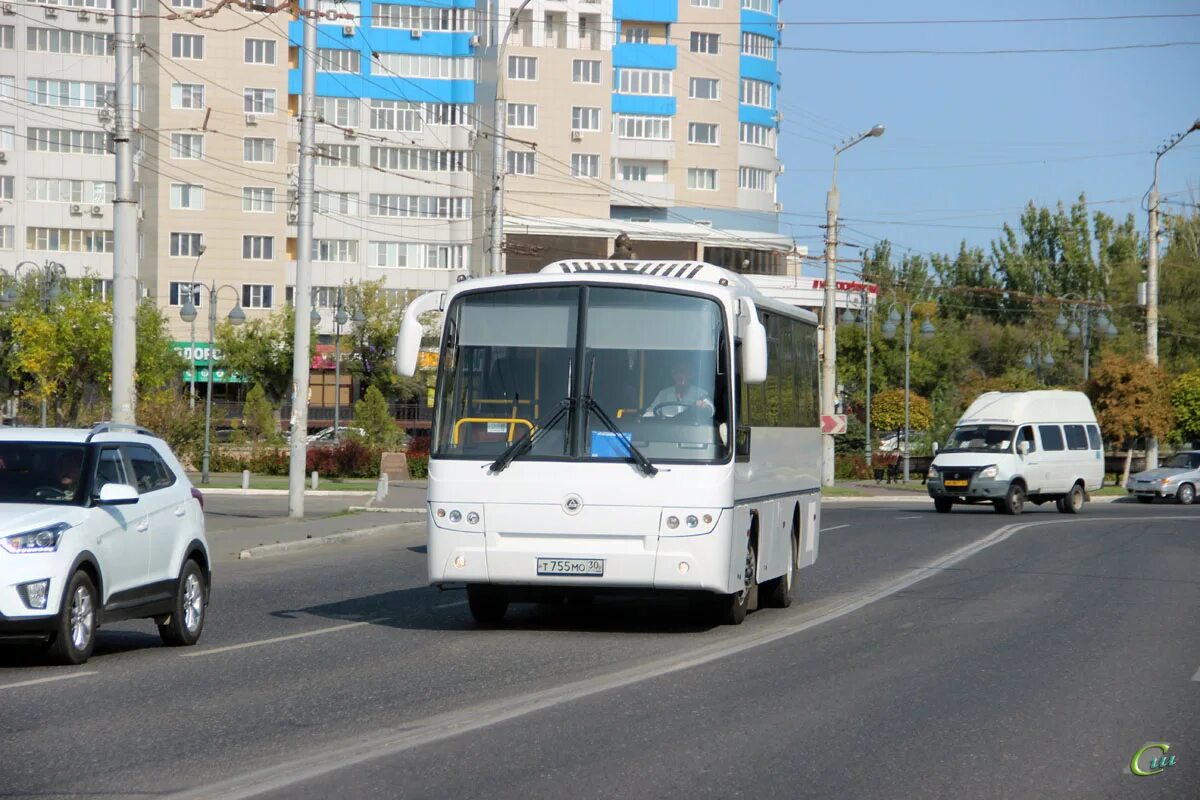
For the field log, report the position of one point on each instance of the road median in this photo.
(307, 543)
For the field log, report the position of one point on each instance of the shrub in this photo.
(354, 459)
(221, 460)
(269, 461)
(851, 466)
(418, 467)
(322, 460)
(372, 415)
(258, 415)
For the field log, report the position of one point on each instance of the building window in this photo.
(187, 3)
(706, 3)
(258, 295)
(409, 65)
(706, 43)
(260, 51)
(57, 140)
(179, 293)
(8, 37)
(644, 81)
(419, 206)
(765, 6)
(187, 95)
(186, 245)
(187, 145)
(338, 251)
(634, 172)
(8, 237)
(329, 60)
(67, 190)
(638, 126)
(8, 137)
(757, 135)
(585, 165)
(758, 180)
(522, 115)
(521, 162)
(635, 34)
(755, 93)
(705, 179)
(337, 155)
(585, 71)
(187, 197)
(522, 68)
(342, 111)
(258, 101)
(704, 88)
(345, 203)
(63, 94)
(423, 18)
(187, 45)
(258, 151)
(422, 160)
(401, 255)
(7, 187)
(258, 248)
(395, 115)
(68, 240)
(757, 45)
(703, 133)
(55, 40)
(259, 200)
(585, 118)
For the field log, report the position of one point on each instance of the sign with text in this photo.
(218, 376)
(833, 423)
(205, 353)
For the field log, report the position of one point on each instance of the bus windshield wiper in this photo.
(642, 462)
(521, 446)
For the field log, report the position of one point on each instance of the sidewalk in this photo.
(402, 495)
(265, 540)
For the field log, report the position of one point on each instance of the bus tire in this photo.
(488, 604)
(733, 608)
(777, 592)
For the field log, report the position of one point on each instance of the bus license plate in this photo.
(956, 483)
(570, 566)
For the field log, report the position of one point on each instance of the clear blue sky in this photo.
(972, 138)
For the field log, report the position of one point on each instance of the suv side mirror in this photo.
(117, 494)
(1022, 447)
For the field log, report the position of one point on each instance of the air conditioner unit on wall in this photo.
(3, 157)
(292, 218)
(347, 30)
(51, 13)
(415, 33)
(251, 119)
(7, 8)
(576, 136)
(97, 211)
(83, 15)
(475, 40)
(76, 209)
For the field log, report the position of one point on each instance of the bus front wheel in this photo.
(488, 604)
(732, 608)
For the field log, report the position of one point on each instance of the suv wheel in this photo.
(186, 622)
(1185, 495)
(75, 636)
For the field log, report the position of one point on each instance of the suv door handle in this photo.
(143, 526)
(179, 512)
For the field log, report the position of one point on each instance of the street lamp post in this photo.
(865, 320)
(1152, 277)
(192, 294)
(499, 121)
(51, 273)
(1085, 309)
(1037, 360)
(188, 314)
(889, 330)
(828, 319)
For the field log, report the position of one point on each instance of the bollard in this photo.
(381, 489)
(245, 479)
(314, 480)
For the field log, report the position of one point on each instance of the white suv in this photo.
(98, 526)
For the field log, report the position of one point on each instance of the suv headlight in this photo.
(42, 540)
(989, 471)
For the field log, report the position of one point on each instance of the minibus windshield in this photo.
(980, 439)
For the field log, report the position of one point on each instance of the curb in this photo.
(263, 550)
(884, 498)
(383, 510)
(285, 492)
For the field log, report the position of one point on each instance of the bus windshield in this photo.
(654, 362)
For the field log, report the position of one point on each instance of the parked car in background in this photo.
(325, 435)
(1178, 478)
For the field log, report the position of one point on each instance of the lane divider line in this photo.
(1196, 677)
(276, 639)
(50, 679)
(452, 605)
(834, 528)
(417, 733)
(915, 516)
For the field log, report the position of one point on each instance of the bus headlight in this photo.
(466, 517)
(692, 521)
(672, 522)
(688, 521)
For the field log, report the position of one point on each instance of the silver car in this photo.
(1179, 478)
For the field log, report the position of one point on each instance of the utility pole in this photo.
(1152, 279)
(302, 297)
(124, 299)
(829, 316)
(499, 132)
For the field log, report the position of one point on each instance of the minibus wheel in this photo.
(1072, 502)
(1014, 500)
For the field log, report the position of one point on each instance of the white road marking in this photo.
(451, 605)
(834, 528)
(916, 516)
(1196, 677)
(276, 639)
(51, 679)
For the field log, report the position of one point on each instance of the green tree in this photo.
(887, 411)
(1185, 398)
(372, 415)
(258, 414)
(1131, 400)
(261, 350)
(371, 353)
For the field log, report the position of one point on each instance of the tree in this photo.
(372, 415)
(262, 349)
(372, 344)
(258, 415)
(1185, 398)
(1131, 400)
(887, 411)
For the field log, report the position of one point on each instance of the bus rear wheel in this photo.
(488, 604)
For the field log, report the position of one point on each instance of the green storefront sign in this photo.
(204, 355)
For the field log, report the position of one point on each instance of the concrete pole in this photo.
(337, 368)
(124, 301)
(1087, 341)
(303, 291)
(867, 323)
(1152, 304)
(208, 383)
(829, 326)
(499, 121)
(907, 362)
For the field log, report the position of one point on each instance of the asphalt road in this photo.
(224, 512)
(1035, 662)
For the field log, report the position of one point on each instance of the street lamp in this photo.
(188, 314)
(1089, 310)
(889, 330)
(1036, 361)
(192, 294)
(1152, 276)
(850, 318)
(499, 134)
(51, 274)
(829, 321)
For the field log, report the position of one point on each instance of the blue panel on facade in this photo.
(756, 115)
(415, 90)
(643, 104)
(386, 40)
(760, 69)
(758, 22)
(646, 10)
(645, 56)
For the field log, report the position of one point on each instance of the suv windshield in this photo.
(1184, 461)
(980, 439)
(41, 472)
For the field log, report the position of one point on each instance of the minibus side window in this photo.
(1094, 437)
(1051, 435)
(1076, 437)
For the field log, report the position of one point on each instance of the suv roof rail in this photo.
(110, 427)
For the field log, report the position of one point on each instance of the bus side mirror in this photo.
(754, 344)
(408, 343)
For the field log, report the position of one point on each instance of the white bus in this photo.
(621, 426)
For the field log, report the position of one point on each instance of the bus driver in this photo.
(680, 396)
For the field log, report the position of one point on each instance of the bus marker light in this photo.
(683, 567)
(459, 562)
(692, 521)
(455, 515)
(708, 519)
(672, 522)
(441, 512)
(472, 518)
